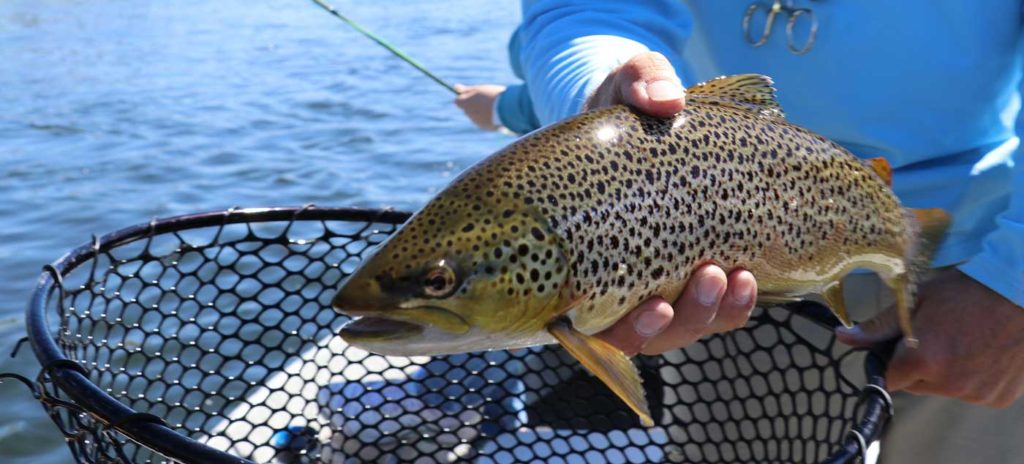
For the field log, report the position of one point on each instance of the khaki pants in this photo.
(937, 430)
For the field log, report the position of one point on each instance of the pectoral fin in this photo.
(607, 363)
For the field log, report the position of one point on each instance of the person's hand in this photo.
(477, 101)
(647, 82)
(711, 302)
(971, 343)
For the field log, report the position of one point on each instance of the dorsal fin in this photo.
(750, 92)
(882, 168)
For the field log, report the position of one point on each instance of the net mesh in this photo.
(225, 332)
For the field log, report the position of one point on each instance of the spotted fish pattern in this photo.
(583, 220)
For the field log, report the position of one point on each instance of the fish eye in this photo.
(440, 281)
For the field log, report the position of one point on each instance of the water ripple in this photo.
(123, 111)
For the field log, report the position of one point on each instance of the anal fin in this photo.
(833, 296)
(606, 362)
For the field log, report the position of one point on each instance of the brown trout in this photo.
(560, 234)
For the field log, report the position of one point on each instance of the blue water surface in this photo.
(114, 112)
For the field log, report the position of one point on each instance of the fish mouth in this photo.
(400, 323)
(369, 328)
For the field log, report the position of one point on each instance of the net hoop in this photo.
(71, 379)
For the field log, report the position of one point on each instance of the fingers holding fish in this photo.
(633, 332)
(983, 365)
(737, 303)
(915, 370)
(882, 327)
(647, 81)
(927, 372)
(711, 303)
(695, 311)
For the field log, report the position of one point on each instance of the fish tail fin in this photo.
(928, 227)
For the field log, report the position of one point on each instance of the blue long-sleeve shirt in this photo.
(932, 85)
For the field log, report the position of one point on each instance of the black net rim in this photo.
(150, 431)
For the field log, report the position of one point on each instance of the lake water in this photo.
(114, 112)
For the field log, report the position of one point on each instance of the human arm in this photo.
(971, 344)
(565, 49)
(491, 107)
(969, 320)
(1000, 264)
(478, 102)
(647, 81)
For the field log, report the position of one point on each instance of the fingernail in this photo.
(707, 291)
(743, 293)
(664, 90)
(650, 323)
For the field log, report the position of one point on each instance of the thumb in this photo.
(884, 326)
(648, 82)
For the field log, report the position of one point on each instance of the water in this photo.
(113, 112)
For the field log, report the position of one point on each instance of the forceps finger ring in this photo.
(794, 15)
(770, 12)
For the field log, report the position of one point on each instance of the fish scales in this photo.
(643, 201)
(560, 234)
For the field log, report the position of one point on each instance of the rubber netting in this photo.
(225, 332)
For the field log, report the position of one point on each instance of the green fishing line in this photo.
(391, 48)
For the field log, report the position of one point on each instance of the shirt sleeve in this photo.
(1000, 265)
(564, 49)
(514, 110)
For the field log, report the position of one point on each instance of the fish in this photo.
(555, 237)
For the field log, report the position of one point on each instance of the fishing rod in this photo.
(391, 48)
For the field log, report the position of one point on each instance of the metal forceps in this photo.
(794, 14)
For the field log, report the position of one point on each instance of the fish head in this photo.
(461, 275)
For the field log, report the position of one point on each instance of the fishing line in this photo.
(391, 48)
